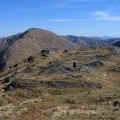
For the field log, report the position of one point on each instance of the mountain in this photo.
(113, 40)
(117, 44)
(2, 45)
(87, 41)
(22, 45)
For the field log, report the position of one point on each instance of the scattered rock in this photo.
(93, 85)
(115, 69)
(29, 59)
(112, 50)
(104, 75)
(74, 65)
(45, 53)
(51, 84)
(101, 57)
(57, 63)
(9, 79)
(66, 51)
(116, 103)
(56, 67)
(15, 65)
(93, 66)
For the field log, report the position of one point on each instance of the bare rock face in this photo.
(93, 66)
(50, 84)
(31, 42)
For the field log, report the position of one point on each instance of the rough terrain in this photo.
(49, 87)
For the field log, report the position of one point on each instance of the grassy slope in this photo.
(41, 103)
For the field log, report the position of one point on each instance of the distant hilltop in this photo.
(15, 48)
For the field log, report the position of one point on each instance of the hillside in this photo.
(80, 84)
(31, 42)
(2, 45)
(113, 40)
(117, 44)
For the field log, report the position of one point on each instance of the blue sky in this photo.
(76, 17)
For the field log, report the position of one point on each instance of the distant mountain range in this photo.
(91, 41)
(86, 41)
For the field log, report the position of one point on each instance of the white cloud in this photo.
(103, 15)
(66, 20)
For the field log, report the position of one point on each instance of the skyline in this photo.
(64, 17)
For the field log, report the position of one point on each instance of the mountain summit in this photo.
(31, 42)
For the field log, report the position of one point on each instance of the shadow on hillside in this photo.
(2, 61)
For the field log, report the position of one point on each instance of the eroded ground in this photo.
(50, 88)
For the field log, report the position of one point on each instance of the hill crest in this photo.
(31, 42)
